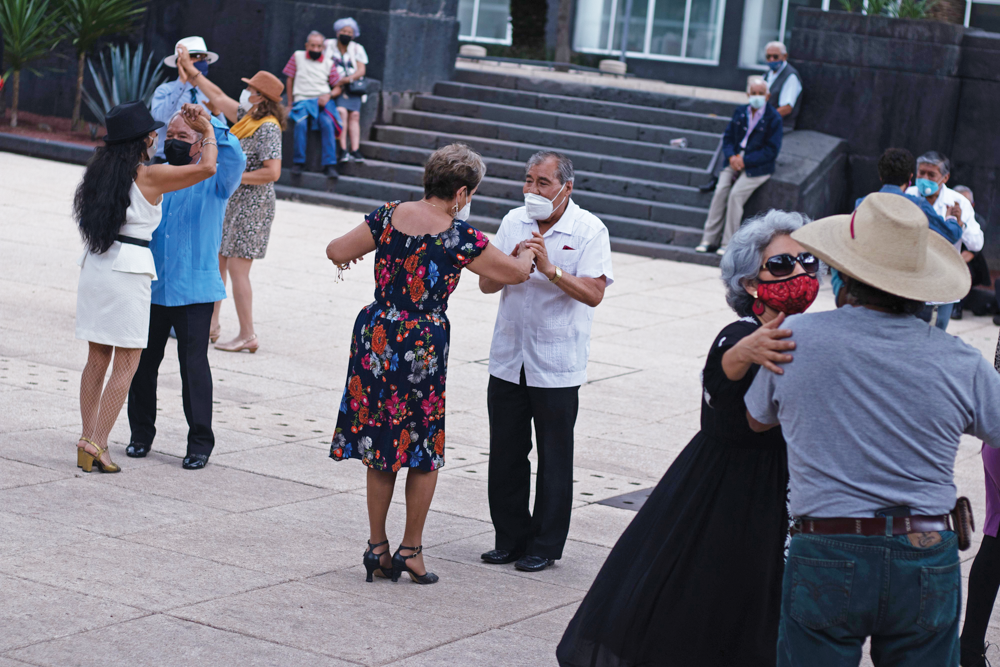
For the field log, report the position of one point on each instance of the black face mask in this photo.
(315, 55)
(345, 39)
(177, 152)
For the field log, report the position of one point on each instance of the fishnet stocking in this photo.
(100, 403)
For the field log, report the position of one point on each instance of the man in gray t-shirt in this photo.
(872, 409)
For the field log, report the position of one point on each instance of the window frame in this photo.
(506, 41)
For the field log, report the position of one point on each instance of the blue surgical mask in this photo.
(836, 282)
(775, 65)
(758, 101)
(927, 187)
(202, 66)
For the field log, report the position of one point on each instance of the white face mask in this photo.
(538, 207)
(151, 150)
(758, 101)
(245, 102)
(463, 214)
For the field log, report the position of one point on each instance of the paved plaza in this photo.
(256, 560)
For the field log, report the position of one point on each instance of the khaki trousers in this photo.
(731, 193)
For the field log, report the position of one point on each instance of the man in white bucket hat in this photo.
(872, 410)
(172, 95)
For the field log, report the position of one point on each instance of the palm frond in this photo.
(87, 21)
(29, 30)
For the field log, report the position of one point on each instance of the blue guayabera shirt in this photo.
(186, 244)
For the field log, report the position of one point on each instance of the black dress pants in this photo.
(191, 325)
(512, 407)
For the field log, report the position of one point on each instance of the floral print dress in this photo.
(392, 412)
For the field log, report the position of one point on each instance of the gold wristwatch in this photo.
(556, 278)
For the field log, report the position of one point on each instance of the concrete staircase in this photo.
(627, 173)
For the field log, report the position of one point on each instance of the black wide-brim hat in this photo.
(129, 121)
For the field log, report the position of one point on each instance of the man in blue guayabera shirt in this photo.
(186, 250)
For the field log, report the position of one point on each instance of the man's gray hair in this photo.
(565, 168)
(744, 254)
(780, 45)
(757, 80)
(939, 160)
(315, 33)
(965, 190)
(176, 115)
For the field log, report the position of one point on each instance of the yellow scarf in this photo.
(248, 125)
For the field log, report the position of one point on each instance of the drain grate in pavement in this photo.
(628, 501)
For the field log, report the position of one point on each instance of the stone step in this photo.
(514, 170)
(673, 210)
(562, 104)
(695, 162)
(557, 139)
(549, 121)
(366, 195)
(618, 94)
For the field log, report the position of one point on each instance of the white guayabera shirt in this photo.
(538, 325)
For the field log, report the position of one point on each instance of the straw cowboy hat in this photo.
(195, 45)
(886, 243)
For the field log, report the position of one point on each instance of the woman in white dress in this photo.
(117, 207)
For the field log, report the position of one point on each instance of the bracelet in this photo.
(209, 142)
(557, 277)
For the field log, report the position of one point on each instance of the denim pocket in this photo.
(820, 591)
(940, 589)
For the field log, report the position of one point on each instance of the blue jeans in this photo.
(329, 138)
(944, 315)
(840, 589)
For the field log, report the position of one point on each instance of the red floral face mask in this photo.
(790, 296)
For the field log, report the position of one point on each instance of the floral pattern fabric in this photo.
(393, 409)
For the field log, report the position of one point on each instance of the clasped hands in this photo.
(197, 119)
(736, 162)
(188, 72)
(536, 244)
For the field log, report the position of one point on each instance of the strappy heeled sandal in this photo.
(250, 344)
(86, 460)
(399, 566)
(373, 562)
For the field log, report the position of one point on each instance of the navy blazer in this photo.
(763, 145)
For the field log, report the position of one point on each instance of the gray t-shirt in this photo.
(872, 408)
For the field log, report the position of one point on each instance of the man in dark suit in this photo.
(751, 145)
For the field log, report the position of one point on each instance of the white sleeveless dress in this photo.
(112, 303)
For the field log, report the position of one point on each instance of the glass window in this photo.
(703, 35)
(985, 16)
(484, 21)
(667, 29)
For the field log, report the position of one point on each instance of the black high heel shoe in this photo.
(399, 566)
(373, 562)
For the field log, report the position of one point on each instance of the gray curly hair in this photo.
(743, 257)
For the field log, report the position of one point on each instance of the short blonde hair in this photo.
(450, 168)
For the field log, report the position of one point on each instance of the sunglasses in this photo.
(783, 265)
(772, 56)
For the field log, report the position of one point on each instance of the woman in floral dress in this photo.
(392, 415)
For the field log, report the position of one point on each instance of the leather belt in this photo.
(901, 525)
(133, 241)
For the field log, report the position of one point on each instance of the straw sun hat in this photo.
(886, 243)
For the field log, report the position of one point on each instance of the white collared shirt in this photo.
(790, 92)
(972, 233)
(538, 325)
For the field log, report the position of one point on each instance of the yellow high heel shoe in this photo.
(86, 460)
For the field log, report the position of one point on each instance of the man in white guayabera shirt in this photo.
(872, 409)
(538, 360)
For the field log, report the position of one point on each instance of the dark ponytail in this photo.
(105, 192)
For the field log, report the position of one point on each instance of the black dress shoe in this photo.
(500, 556)
(137, 450)
(297, 169)
(533, 563)
(195, 461)
(331, 172)
(710, 186)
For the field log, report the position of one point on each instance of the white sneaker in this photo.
(701, 248)
(721, 251)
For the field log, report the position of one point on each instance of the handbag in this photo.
(359, 87)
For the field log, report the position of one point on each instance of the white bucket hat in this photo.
(194, 45)
(886, 243)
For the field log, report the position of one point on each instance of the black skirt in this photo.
(695, 580)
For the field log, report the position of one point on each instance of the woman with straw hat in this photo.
(872, 410)
(259, 119)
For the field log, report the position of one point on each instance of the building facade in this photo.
(714, 43)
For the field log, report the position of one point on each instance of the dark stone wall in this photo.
(919, 85)
(411, 44)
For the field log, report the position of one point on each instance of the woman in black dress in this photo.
(695, 580)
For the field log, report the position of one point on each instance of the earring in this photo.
(758, 307)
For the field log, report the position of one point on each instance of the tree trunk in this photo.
(79, 92)
(15, 96)
(527, 18)
(563, 50)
